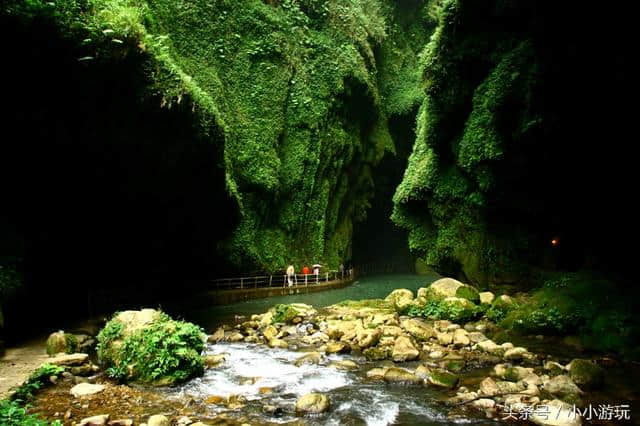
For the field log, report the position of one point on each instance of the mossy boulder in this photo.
(149, 347)
(586, 373)
(448, 287)
(443, 379)
(287, 313)
(401, 299)
(61, 342)
(377, 353)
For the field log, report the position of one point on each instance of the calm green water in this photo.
(370, 287)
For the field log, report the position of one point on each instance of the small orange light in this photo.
(554, 242)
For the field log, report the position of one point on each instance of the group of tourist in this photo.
(291, 272)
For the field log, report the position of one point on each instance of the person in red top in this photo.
(305, 270)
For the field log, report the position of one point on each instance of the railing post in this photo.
(327, 280)
(270, 280)
(241, 283)
(255, 283)
(305, 280)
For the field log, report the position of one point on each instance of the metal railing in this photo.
(279, 280)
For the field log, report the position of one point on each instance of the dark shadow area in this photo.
(104, 191)
(378, 245)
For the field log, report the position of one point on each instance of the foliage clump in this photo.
(163, 352)
(12, 413)
(446, 310)
(36, 380)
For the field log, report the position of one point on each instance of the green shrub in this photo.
(36, 380)
(13, 414)
(445, 310)
(163, 353)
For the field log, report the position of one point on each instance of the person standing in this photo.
(341, 268)
(290, 273)
(305, 270)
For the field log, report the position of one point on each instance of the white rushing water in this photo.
(354, 399)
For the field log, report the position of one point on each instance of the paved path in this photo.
(19, 362)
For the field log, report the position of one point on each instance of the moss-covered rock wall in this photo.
(297, 95)
(508, 153)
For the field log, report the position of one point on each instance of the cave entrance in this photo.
(379, 246)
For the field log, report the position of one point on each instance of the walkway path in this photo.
(19, 362)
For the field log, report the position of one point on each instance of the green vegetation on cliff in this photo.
(298, 92)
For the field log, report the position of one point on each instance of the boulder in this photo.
(563, 388)
(278, 343)
(377, 353)
(336, 329)
(452, 362)
(488, 387)
(443, 379)
(401, 299)
(84, 389)
(515, 354)
(556, 413)
(586, 373)
(337, 347)
(511, 373)
(132, 347)
(312, 403)
(212, 361)
(377, 373)
(158, 420)
(461, 337)
(61, 342)
(486, 297)
(99, 420)
(445, 338)
(448, 287)
(392, 330)
(236, 336)
(217, 336)
(442, 288)
(368, 337)
(310, 358)
(292, 313)
(400, 375)
(270, 332)
(68, 360)
(403, 350)
(476, 337)
(346, 365)
(418, 329)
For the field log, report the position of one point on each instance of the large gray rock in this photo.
(84, 389)
(312, 403)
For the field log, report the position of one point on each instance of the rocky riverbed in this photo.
(356, 362)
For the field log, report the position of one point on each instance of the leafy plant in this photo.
(13, 414)
(165, 352)
(36, 380)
